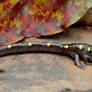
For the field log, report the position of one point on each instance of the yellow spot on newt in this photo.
(29, 44)
(9, 46)
(48, 44)
(66, 46)
(88, 49)
(80, 47)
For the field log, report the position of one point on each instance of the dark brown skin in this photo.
(76, 51)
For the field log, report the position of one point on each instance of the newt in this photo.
(76, 51)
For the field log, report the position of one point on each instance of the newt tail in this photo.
(76, 51)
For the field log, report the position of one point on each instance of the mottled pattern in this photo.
(34, 18)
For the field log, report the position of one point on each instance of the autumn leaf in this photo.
(35, 18)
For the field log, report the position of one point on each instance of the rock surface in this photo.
(47, 72)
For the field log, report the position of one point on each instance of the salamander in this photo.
(76, 51)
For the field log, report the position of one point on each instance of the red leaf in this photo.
(34, 18)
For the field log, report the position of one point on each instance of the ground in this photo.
(47, 72)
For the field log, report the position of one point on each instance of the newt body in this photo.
(76, 51)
